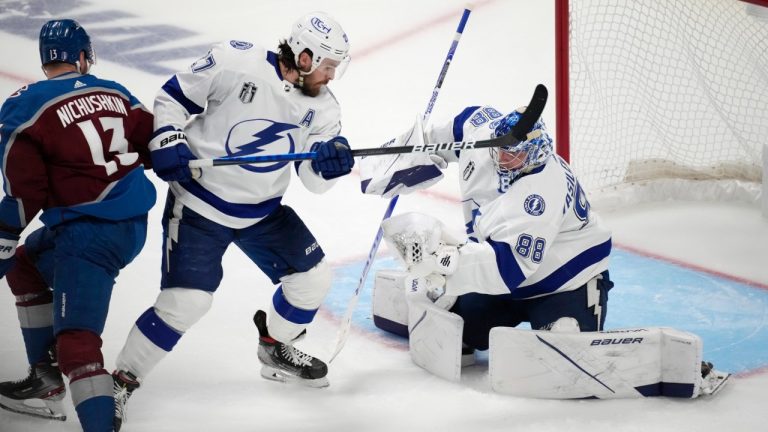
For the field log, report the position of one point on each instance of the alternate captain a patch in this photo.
(534, 205)
(308, 117)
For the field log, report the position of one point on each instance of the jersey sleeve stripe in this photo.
(561, 276)
(458, 123)
(173, 88)
(509, 270)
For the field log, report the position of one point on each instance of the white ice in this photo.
(211, 380)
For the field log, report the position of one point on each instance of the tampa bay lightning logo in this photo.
(262, 137)
(534, 205)
(241, 45)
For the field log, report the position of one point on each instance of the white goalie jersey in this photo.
(529, 238)
(235, 102)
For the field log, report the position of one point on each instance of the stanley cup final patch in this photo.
(534, 205)
(247, 92)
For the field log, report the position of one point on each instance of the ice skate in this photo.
(712, 380)
(124, 383)
(285, 363)
(39, 394)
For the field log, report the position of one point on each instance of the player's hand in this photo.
(8, 243)
(171, 155)
(334, 158)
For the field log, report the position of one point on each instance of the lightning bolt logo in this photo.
(255, 136)
(263, 138)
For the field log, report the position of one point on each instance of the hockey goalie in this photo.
(534, 252)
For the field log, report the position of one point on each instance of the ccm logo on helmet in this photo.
(320, 25)
(616, 341)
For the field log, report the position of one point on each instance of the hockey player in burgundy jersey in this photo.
(75, 148)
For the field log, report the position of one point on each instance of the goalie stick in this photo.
(517, 135)
(346, 322)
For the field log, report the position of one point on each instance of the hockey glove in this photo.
(444, 260)
(8, 243)
(334, 158)
(170, 155)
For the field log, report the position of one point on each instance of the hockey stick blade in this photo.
(518, 134)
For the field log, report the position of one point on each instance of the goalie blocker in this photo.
(627, 363)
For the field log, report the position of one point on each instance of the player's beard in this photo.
(311, 88)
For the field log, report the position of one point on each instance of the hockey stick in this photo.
(346, 322)
(539, 98)
(519, 133)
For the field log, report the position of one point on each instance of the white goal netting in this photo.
(667, 89)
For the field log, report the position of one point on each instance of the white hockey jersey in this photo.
(234, 102)
(533, 237)
(530, 238)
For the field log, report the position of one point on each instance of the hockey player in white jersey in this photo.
(536, 252)
(242, 99)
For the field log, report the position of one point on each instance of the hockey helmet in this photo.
(63, 41)
(517, 159)
(325, 38)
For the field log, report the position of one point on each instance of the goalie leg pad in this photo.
(390, 309)
(435, 340)
(617, 364)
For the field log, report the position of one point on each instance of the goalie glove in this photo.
(444, 260)
(429, 288)
(422, 243)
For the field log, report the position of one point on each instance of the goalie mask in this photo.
(511, 161)
(324, 37)
(63, 41)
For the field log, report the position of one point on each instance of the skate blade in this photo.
(720, 381)
(274, 374)
(42, 408)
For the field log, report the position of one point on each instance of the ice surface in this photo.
(211, 380)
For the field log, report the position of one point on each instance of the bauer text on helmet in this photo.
(325, 38)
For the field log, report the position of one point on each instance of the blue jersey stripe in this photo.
(173, 89)
(513, 276)
(505, 261)
(249, 211)
(566, 272)
(458, 123)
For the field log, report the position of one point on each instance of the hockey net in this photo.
(673, 90)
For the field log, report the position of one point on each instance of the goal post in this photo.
(662, 89)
